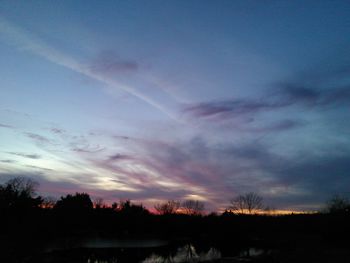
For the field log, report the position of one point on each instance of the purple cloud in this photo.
(228, 108)
(118, 157)
(284, 96)
(159, 170)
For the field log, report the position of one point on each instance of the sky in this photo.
(160, 100)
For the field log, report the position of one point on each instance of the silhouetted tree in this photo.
(19, 193)
(74, 203)
(248, 203)
(99, 203)
(166, 208)
(22, 186)
(130, 209)
(48, 202)
(338, 204)
(192, 207)
(115, 206)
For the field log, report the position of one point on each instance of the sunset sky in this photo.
(156, 100)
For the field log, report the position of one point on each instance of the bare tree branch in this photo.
(169, 207)
(248, 203)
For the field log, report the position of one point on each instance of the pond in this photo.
(96, 243)
(99, 250)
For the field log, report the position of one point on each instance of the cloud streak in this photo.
(6, 126)
(24, 40)
(26, 155)
(229, 108)
(154, 170)
(284, 96)
(8, 161)
(38, 138)
(109, 63)
(308, 96)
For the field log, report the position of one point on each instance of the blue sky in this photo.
(156, 100)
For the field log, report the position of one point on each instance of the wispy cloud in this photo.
(57, 131)
(8, 161)
(88, 149)
(118, 157)
(5, 126)
(229, 108)
(38, 138)
(154, 170)
(26, 155)
(81, 144)
(39, 168)
(24, 40)
(277, 126)
(159, 170)
(315, 97)
(108, 62)
(284, 96)
(325, 88)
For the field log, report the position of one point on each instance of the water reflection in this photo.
(186, 253)
(102, 261)
(148, 251)
(253, 252)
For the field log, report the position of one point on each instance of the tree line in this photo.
(20, 193)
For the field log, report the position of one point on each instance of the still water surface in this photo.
(136, 251)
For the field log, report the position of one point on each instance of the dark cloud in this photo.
(26, 155)
(325, 88)
(109, 63)
(309, 96)
(8, 161)
(284, 96)
(277, 126)
(82, 144)
(57, 131)
(5, 126)
(38, 138)
(308, 178)
(86, 148)
(320, 175)
(311, 182)
(228, 108)
(118, 156)
(254, 150)
(283, 125)
(300, 94)
(121, 137)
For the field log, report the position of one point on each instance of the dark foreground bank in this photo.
(46, 235)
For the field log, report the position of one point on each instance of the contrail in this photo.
(23, 40)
